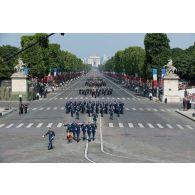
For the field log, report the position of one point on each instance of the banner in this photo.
(163, 72)
(154, 73)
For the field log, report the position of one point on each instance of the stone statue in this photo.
(170, 68)
(20, 66)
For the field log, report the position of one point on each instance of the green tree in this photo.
(157, 51)
(6, 62)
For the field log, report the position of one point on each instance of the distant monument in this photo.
(170, 83)
(19, 81)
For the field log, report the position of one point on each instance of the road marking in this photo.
(30, 125)
(59, 125)
(189, 127)
(55, 108)
(133, 108)
(128, 98)
(168, 125)
(121, 125)
(20, 125)
(162, 110)
(2, 125)
(86, 151)
(102, 97)
(179, 126)
(113, 98)
(141, 109)
(70, 98)
(108, 98)
(39, 125)
(9, 126)
(131, 125)
(118, 98)
(168, 110)
(123, 98)
(159, 125)
(61, 98)
(150, 125)
(34, 108)
(155, 109)
(41, 108)
(86, 98)
(62, 108)
(55, 98)
(111, 125)
(81, 98)
(140, 125)
(50, 125)
(134, 99)
(126, 108)
(76, 98)
(48, 108)
(66, 98)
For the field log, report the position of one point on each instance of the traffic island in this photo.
(187, 113)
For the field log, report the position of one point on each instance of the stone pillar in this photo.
(19, 86)
(170, 88)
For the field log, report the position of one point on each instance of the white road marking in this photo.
(108, 98)
(162, 110)
(133, 108)
(134, 99)
(159, 125)
(126, 108)
(148, 109)
(155, 109)
(66, 98)
(168, 110)
(41, 108)
(55, 98)
(20, 125)
(150, 125)
(70, 98)
(50, 125)
(39, 125)
(168, 125)
(123, 98)
(141, 109)
(61, 98)
(111, 125)
(140, 125)
(55, 108)
(118, 98)
(86, 151)
(81, 98)
(189, 127)
(2, 125)
(128, 98)
(62, 108)
(29, 125)
(9, 126)
(179, 126)
(59, 125)
(48, 108)
(34, 108)
(121, 125)
(131, 125)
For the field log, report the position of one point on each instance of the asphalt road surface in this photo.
(147, 131)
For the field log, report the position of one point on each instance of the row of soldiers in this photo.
(96, 92)
(95, 82)
(74, 129)
(94, 108)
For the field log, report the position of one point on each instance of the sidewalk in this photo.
(187, 113)
(6, 111)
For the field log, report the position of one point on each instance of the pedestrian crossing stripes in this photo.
(39, 125)
(127, 109)
(20, 125)
(30, 125)
(111, 125)
(98, 98)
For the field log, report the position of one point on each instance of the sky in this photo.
(84, 45)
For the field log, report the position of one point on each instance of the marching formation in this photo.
(94, 108)
(96, 92)
(95, 82)
(74, 129)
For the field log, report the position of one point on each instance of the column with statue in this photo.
(19, 82)
(170, 84)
